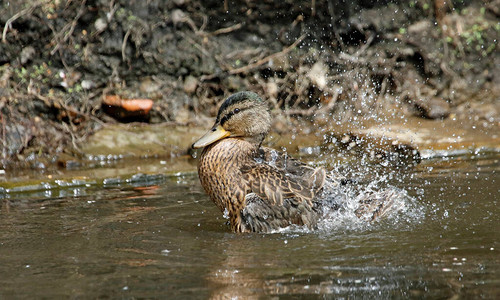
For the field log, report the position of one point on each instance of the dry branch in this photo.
(23, 12)
(267, 58)
(227, 29)
(72, 26)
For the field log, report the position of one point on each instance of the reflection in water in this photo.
(166, 239)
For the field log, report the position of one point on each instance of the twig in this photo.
(205, 22)
(23, 12)
(71, 29)
(50, 103)
(73, 138)
(195, 44)
(109, 17)
(59, 50)
(365, 46)
(352, 58)
(112, 10)
(226, 29)
(332, 102)
(178, 16)
(253, 65)
(124, 44)
(308, 112)
(238, 54)
(267, 58)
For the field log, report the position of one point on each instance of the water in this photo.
(164, 238)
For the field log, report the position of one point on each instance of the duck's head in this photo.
(242, 115)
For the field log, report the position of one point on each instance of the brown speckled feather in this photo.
(235, 179)
(276, 180)
(262, 189)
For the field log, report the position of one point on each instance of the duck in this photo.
(258, 188)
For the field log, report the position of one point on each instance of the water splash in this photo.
(363, 205)
(398, 208)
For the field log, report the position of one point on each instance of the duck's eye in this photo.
(229, 115)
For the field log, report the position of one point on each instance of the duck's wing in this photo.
(276, 180)
(261, 216)
(295, 167)
(282, 161)
(373, 206)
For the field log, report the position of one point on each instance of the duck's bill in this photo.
(215, 134)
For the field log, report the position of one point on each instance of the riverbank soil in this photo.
(318, 63)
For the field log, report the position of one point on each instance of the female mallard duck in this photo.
(259, 188)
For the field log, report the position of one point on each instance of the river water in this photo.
(159, 236)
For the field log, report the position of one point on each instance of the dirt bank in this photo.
(315, 61)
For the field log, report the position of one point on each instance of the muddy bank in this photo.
(119, 152)
(314, 61)
(138, 154)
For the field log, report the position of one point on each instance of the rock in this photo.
(423, 27)
(149, 86)
(318, 74)
(69, 78)
(178, 17)
(17, 136)
(182, 116)
(272, 89)
(431, 108)
(88, 84)
(264, 29)
(190, 84)
(180, 2)
(5, 79)
(100, 25)
(67, 161)
(27, 54)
